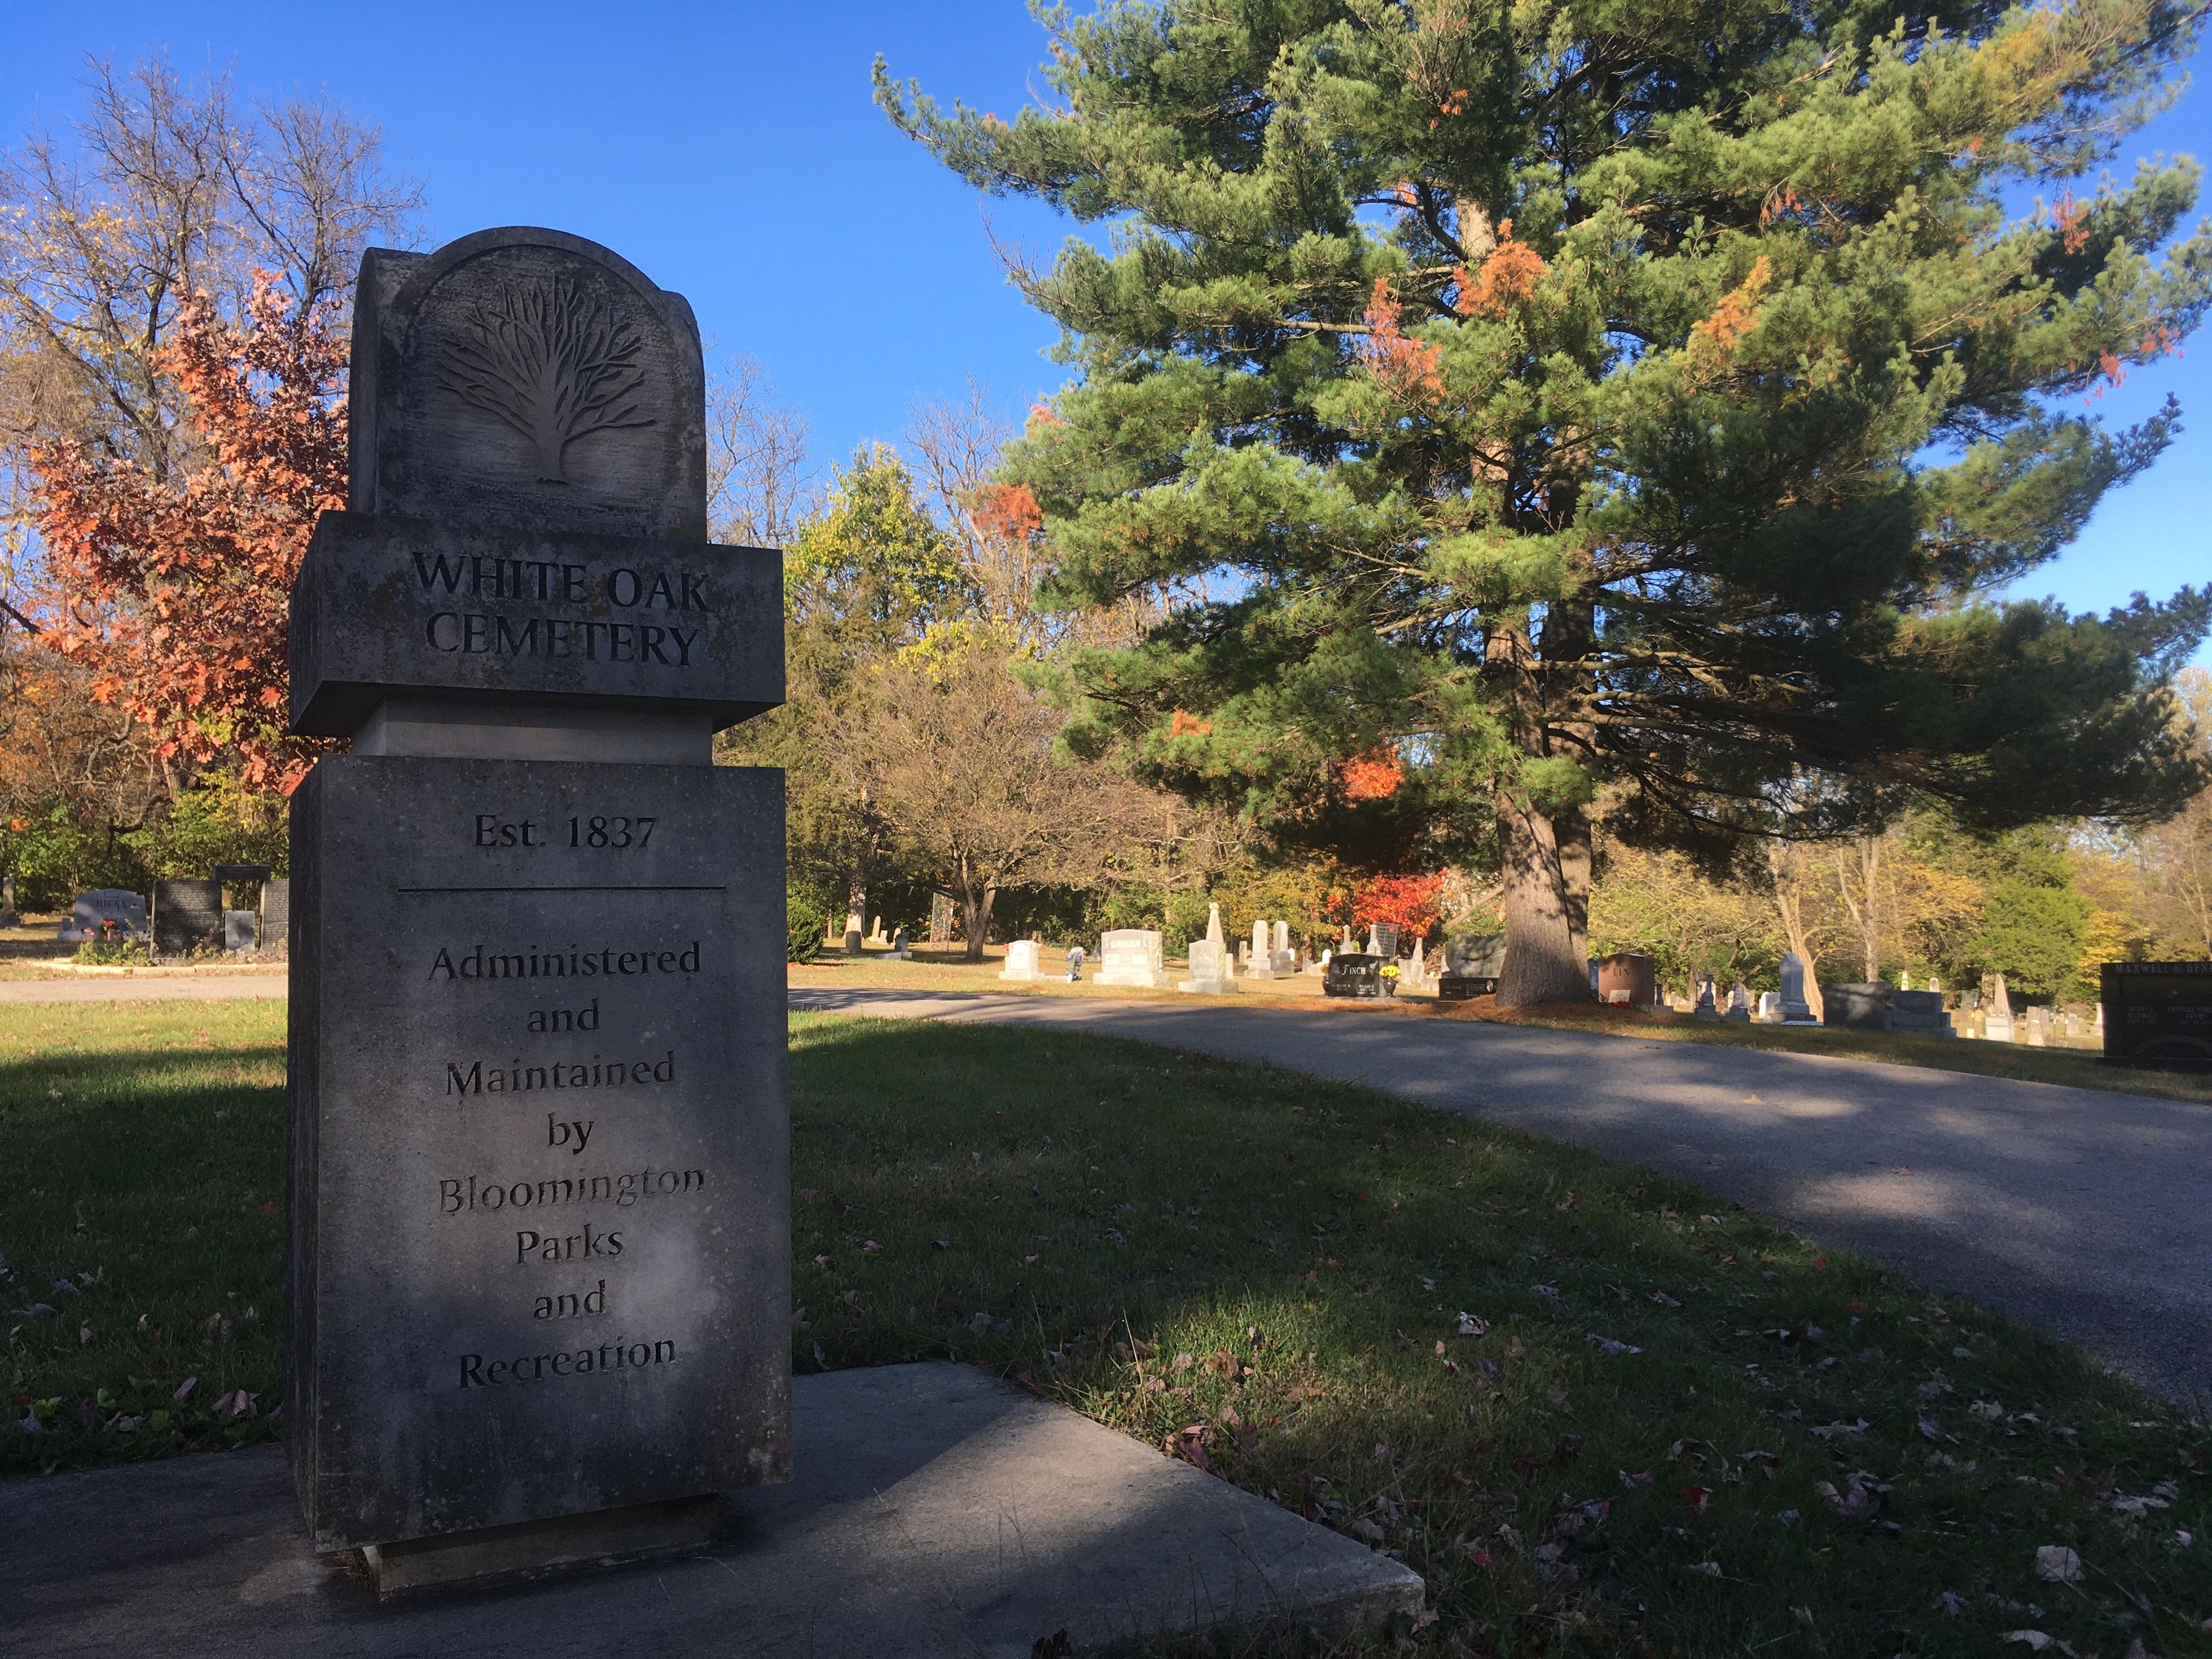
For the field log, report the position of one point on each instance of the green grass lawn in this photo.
(1621, 1450)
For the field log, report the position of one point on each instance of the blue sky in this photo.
(733, 153)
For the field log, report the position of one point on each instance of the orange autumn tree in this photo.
(1413, 904)
(174, 591)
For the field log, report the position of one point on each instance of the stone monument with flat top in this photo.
(538, 1291)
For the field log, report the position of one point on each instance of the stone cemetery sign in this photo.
(2157, 1012)
(539, 1133)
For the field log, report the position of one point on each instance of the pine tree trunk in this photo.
(1545, 928)
(1544, 959)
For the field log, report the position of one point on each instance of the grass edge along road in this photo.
(1594, 1411)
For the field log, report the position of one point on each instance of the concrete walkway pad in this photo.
(935, 1512)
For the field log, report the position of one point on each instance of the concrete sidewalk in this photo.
(2087, 1214)
(935, 1514)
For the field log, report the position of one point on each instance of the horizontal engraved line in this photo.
(561, 890)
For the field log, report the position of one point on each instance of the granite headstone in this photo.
(110, 910)
(187, 916)
(1210, 972)
(1858, 1007)
(1021, 960)
(1795, 1009)
(1132, 957)
(276, 913)
(540, 1240)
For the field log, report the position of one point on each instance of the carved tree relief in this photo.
(552, 362)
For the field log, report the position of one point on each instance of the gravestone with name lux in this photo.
(539, 1133)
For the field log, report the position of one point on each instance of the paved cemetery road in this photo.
(214, 988)
(2082, 1213)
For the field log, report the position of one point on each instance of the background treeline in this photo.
(178, 265)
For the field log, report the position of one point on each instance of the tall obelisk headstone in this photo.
(540, 1240)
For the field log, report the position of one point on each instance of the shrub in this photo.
(805, 919)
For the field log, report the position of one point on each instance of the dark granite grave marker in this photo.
(1860, 1007)
(540, 1134)
(276, 912)
(2157, 1013)
(187, 916)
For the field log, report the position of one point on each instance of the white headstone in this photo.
(1132, 955)
(1021, 960)
(1213, 933)
(1740, 1002)
(1769, 1008)
(1261, 959)
(1210, 972)
(1285, 959)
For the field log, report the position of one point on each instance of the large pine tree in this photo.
(1527, 401)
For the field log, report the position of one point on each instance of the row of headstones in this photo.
(1137, 957)
(1632, 978)
(186, 915)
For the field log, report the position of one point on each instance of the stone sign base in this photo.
(546, 1549)
(932, 1511)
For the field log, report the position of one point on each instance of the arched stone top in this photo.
(529, 379)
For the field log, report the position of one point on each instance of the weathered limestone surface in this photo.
(388, 607)
(540, 1134)
(527, 377)
(542, 1224)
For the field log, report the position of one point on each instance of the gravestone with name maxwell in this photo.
(539, 1266)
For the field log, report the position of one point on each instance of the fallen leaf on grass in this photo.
(1606, 1345)
(1831, 1431)
(1860, 1499)
(2056, 1565)
(2034, 1640)
(1189, 1445)
(236, 1403)
(1711, 1569)
(1694, 1498)
(1664, 1300)
(185, 1389)
(1469, 1325)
